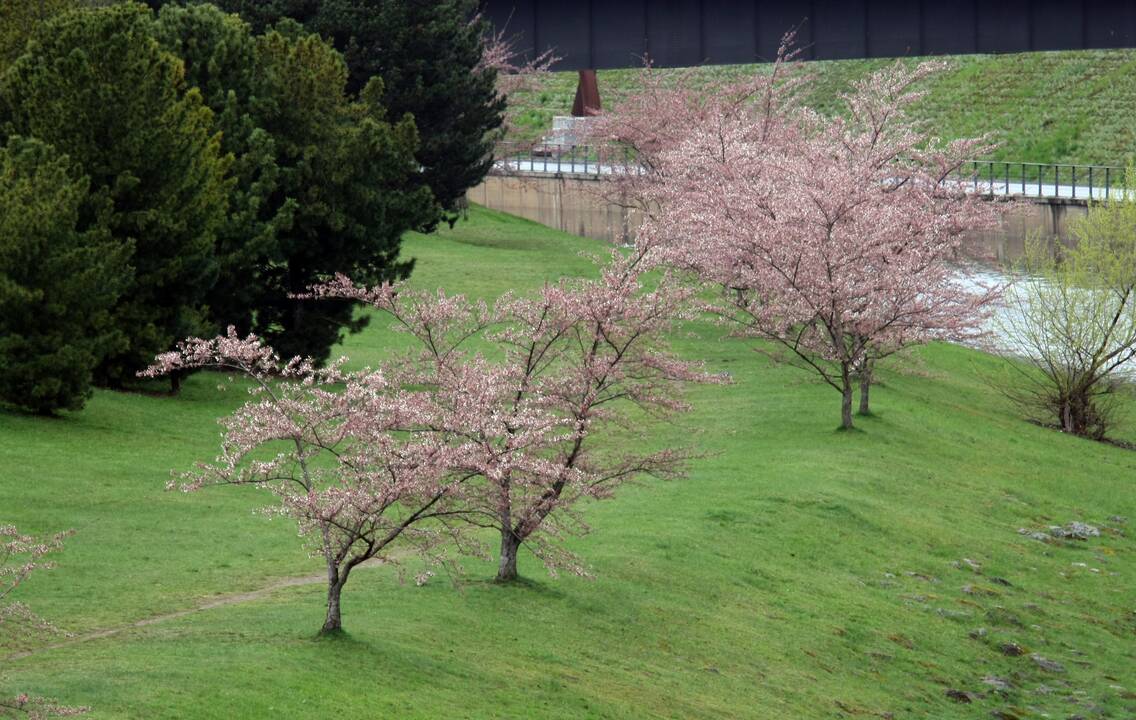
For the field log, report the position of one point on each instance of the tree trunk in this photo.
(507, 568)
(1066, 413)
(334, 621)
(846, 398)
(295, 311)
(865, 388)
(1080, 416)
(1073, 415)
(846, 405)
(175, 382)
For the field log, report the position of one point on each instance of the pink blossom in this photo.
(830, 236)
(515, 76)
(20, 556)
(355, 458)
(535, 417)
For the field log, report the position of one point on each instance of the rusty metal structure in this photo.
(587, 99)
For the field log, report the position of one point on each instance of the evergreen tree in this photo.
(19, 20)
(427, 53)
(322, 182)
(346, 173)
(96, 86)
(219, 52)
(57, 284)
(263, 14)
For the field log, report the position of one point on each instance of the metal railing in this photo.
(1043, 180)
(989, 177)
(553, 158)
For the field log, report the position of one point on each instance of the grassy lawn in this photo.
(799, 572)
(1048, 107)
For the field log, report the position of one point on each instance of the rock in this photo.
(1005, 714)
(1011, 649)
(1119, 519)
(999, 684)
(959, 696)
(1081, 531)
(1047, 664)
(921, 576)
(1000, 581)
(977, 633)
(1074, 531)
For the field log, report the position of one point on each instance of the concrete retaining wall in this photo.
(1046, 218)
(566, 202)
(571, 203)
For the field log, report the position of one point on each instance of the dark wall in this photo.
(675, 33)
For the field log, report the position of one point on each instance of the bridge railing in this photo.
(1043, 180)
(545, 157)
(990, 177)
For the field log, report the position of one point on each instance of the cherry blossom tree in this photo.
(499, 54)
(563, 392)
(503, 417)
(832, 237)
(668, 108)
(20, 556)
(517, 78)
(354, 458)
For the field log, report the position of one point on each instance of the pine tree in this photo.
(427, 53)
(322, 181)
(57, 284)
(19, 20)
(219, 52)
(347, 173)
(96, 86)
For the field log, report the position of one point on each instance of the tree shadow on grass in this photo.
(521, 587)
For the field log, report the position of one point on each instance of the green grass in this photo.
(1047, 107)
(799, 572)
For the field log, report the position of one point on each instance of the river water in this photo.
(1008, 313)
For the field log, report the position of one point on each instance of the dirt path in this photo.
(210, 604)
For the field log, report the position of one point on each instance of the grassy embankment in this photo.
(1052, 107)
(799, 572)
